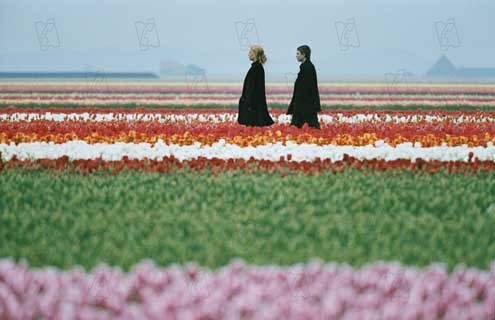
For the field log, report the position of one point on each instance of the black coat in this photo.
(253, 109)
(305, 98)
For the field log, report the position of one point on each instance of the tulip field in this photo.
(148, 200)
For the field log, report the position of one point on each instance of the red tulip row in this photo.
(283, 166)
(380, 114)
(357, 134)
(340, 128)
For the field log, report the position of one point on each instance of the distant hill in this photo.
(444, 68)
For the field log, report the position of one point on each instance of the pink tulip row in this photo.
(191, 101)
(274, 98)
(238, 291)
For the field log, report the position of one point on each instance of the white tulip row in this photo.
(299, 152)
(232, 117)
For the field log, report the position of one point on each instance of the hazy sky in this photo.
(347, 37)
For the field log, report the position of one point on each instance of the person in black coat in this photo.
(253, 110)
(305, 102)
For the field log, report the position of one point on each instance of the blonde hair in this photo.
(259, 53)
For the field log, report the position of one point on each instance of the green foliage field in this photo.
(353, 217)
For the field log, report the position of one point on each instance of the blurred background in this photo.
(352, 40)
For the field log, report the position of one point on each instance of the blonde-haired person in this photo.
(253, 110)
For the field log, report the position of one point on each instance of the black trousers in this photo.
(311, 119)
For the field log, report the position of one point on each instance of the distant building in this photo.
(444, 68)
(173, 68)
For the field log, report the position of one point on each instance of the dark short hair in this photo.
(306, 50)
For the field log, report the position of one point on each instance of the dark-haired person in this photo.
(253, 110)
(305, 102)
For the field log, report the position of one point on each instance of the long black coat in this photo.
(253, 109)
(305, 98)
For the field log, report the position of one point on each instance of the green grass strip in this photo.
(352, 217)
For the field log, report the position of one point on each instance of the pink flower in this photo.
(313, 291)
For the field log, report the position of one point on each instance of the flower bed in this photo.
(238, 291)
